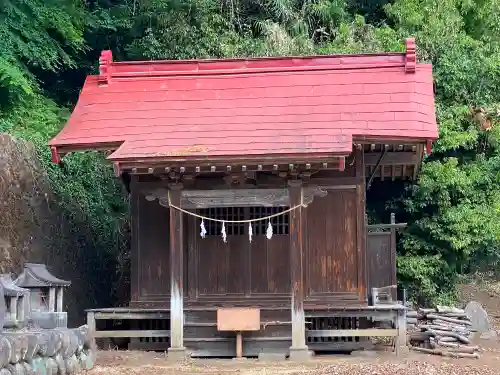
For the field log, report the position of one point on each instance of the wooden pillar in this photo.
(298, 350)
(91, 324)
(176, 351)
(361, 219)
(13, 308)
(20, 308)
(59, 298)
(52, 299)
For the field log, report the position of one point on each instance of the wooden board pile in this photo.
(44, 352)
(443, 330)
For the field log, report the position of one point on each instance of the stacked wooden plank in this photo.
(50, 351)
(443, 330)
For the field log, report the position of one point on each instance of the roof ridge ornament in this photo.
(105, 61)
(410, 55)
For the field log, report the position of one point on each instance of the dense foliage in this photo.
(47, 47)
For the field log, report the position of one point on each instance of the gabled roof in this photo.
(36, 275)
(178, 110)
(9, 288)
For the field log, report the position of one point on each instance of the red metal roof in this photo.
(261, 107)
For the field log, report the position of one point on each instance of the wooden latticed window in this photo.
(214, 228)
(279, 223)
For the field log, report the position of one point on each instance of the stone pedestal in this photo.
(300, 354)
(177, 354)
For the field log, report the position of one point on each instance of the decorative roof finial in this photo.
(411, 55)
(105, 61)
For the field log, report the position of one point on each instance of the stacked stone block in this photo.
(58, 351)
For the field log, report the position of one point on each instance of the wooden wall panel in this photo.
(153, 253)
(221, 266)
(380, 263)
(270, 265)
(332, 260)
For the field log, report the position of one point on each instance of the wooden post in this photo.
(59, 297)
(92, 328)
(52, 299)
(393, 256)
(239, 344)
(401, 340)
(176, 351)
(298, 350)
(361, 220)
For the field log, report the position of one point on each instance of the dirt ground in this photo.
(147, 363)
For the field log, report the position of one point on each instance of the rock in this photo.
(61, 365)
(88, 339)
(54, 343)
(28, 369)
(490, 335)
(77, 364)
(4, 371)
(73, 343)
(5, 351)
(87, 359)
(51, 366)
(478, 317)
(81, 339)
(32, 346)
(65, 350)
(71, 365)
(16, 369)
(82, 360)
(17, 349)
(43, 342)
(39, 366)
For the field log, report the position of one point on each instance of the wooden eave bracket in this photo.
(410, 55)
(375, 169)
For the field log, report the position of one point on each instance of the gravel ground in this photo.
(135, 363)
(147, 363)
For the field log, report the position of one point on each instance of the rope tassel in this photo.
(203, 231)
(269, 232)
(223, 232)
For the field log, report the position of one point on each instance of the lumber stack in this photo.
(443, 330)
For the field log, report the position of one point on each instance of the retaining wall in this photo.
(59, 351)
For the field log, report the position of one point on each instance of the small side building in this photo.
(45, 302)
(14, 298)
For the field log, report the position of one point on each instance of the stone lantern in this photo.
(14, 299)
(45, 295)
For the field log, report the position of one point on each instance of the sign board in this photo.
(238, 319)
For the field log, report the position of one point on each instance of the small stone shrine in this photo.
(27, 347)
(14, 300)
(45, 302)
